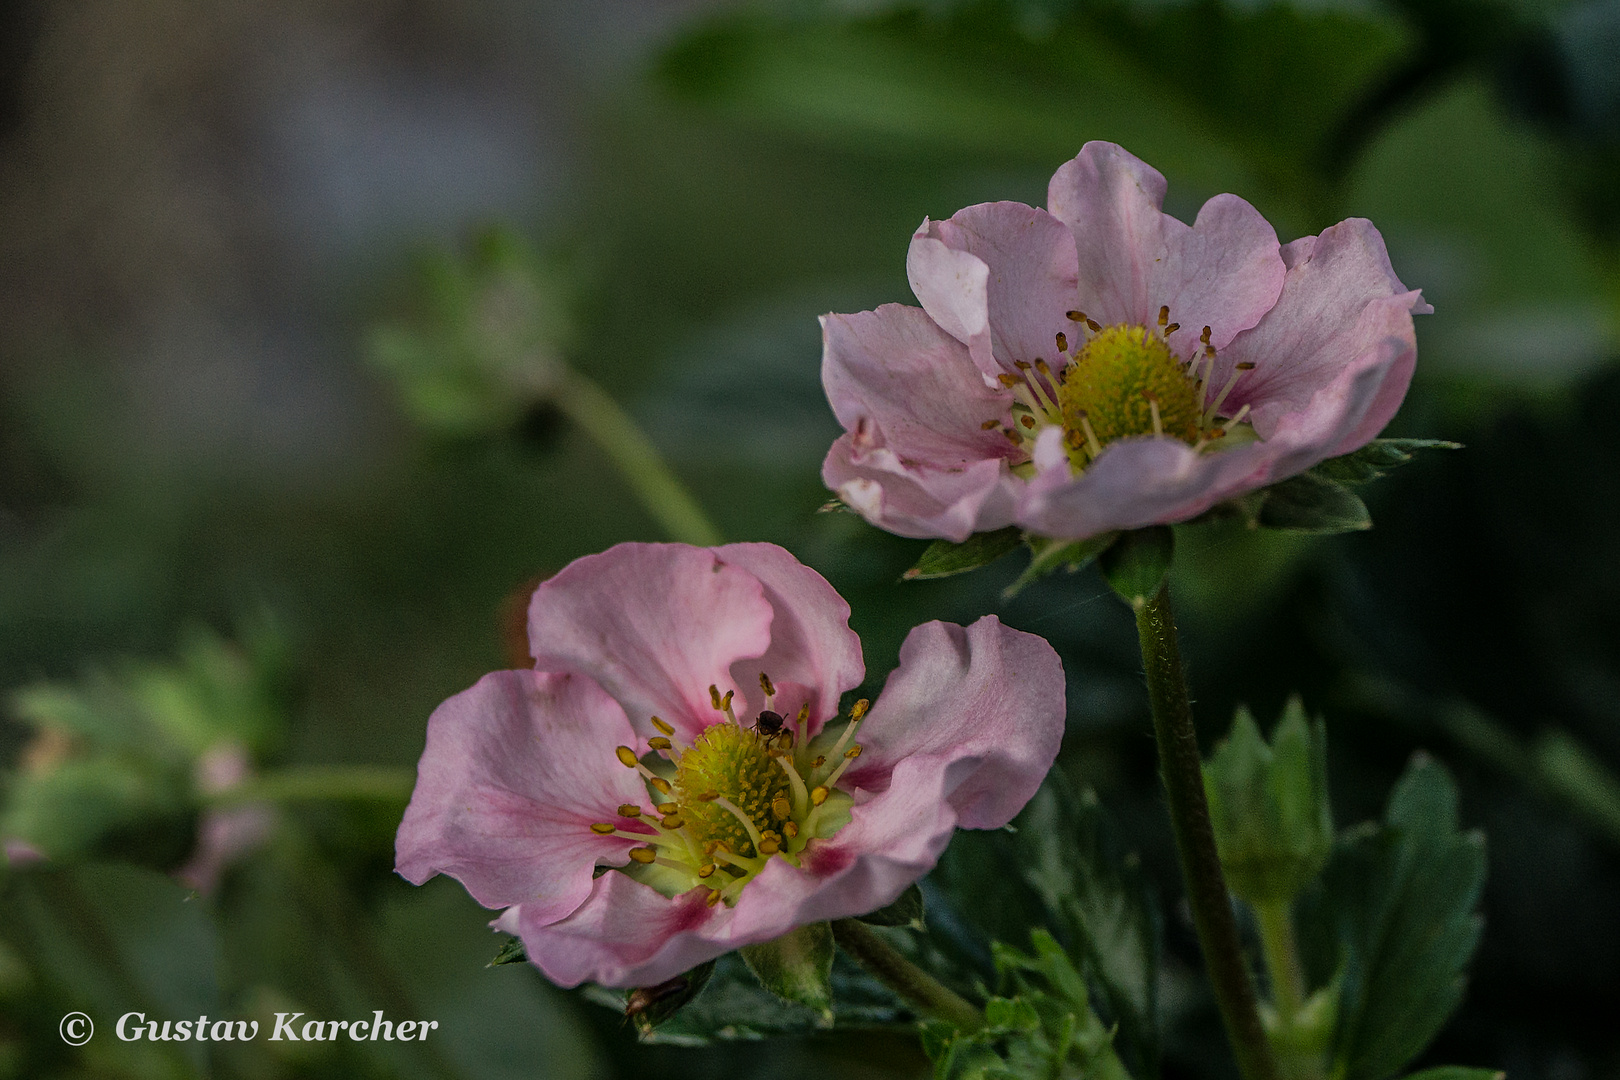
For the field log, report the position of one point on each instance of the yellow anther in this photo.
(658, 742)
(725, 702)
(1172, 328)
(1021, 365)
(714, 695)
(643, 855)
(1062, 341)
(708, 796)
(804, 712)
(1094, 326)
(818, 795)
(629, 810)
(706, 870)
(663, 726)
(627, 756)
(766, 685)
(819, 761)
(603, 828)
(1027, 421)
(853, 752)
(713, 898)
(1164, 314)
(674, 821)
(859, 710)
(790, 828)
(660, 785)
(1204, 337)
(1076, 316)
(1007, 380)
(988, 424)
(769, 846)
(782, 809)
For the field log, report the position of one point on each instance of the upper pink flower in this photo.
(1101, 365)
(683, 728)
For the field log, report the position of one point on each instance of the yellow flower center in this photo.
(1119, 382)
(737, 797)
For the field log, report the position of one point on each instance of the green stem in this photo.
(315, 783)
(633, 454)
(903, 977)
(1183, 775)
(1282, 959)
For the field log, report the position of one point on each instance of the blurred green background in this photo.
(288, 291)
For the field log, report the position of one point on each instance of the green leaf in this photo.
(735, 1007)
(1135, 566)
(1456, 1072)
(1392, 919)
(943, 558)
(1376, 459)
(905, 911)
(1313, 504)
(797, 966)
(1047, 555)
(510, 953)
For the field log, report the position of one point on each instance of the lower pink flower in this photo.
(1101, 365)
(682, 729)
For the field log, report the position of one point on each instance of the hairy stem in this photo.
(618, 436)
(1183, 776)
(903, 977)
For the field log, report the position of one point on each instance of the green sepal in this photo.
(907, 910)
(943, 558)
(1312, 504)
(797, 966)
(1269, 806)
(510, 953)
(1047, 555)
(649, 1006)
(1392, 921)
(1376, 459)
(1135, 566)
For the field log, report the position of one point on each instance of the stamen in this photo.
(818, 794)
(674, 822)
(1236, 420)
(663, 727)
(1076, 316)
(1062, 342)
(1164, 315)
(747, 822)
(713, 897)
(658, 783)
(782, 809)
(769, 846)
(766, 685)
(627, 756)
(849, 759)
(658, 742)
(1215, 406)
(706, 870)
(1028, 421)
(1153, 407)
(819, 762)
(714, 697)
(1172, 328)
(604, 828)
(801, 797)
(858, 710)
(988, 424)
(643, 855)
(1094, 326)
(1008, 380)
(1023, 365)
(629, 810)
(1091, 436)
(790, 828)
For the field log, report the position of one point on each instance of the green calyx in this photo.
(1269, 806)
(1114, 385)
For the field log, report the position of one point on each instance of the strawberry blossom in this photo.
(682, 729)
(1101, 365)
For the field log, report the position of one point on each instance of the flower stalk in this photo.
(911, 982)
(1207, 896)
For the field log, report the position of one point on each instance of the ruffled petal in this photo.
(918, 500)
(814, 656)
(985, 704)
(516, 770)
(896, 379)
(655, 624)
(1139, 482)
(1018, 304)
(1340, 301)
(1224, 271)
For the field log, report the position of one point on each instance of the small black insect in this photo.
(769, 724)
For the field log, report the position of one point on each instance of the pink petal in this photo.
(896, 379)
(1139, 482)
(1018, 303)
(515, 771)
(1340, 300)
(814, 656)
(1224, 271)
(984, 705)
(655, 624)
(916, 500)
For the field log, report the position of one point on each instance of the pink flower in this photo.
(683, 730)
(1101, 365)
